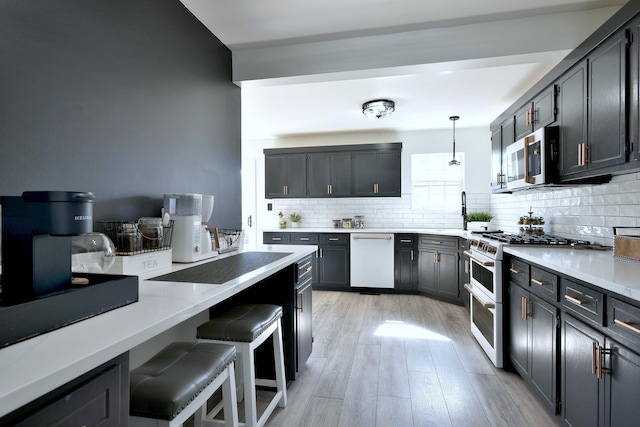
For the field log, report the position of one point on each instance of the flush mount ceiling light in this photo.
(454, 162)
(378, 108)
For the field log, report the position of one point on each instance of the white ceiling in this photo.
(425, 94)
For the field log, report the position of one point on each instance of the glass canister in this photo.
(128, 238)
(337, 223)
(358, 221)
(347, 223)
(152, 231)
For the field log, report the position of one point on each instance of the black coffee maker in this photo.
(36, 241)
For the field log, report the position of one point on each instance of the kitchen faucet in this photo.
(464, 210)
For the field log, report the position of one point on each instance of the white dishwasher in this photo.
(372, 260)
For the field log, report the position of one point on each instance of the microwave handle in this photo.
(528, 179)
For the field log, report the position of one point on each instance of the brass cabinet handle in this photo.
(304, 238)
(328, 189)
(537, 282)
(411, 254)
(277, 239)
(594, 364)
(435, 242)
(405, 240)
(626, 325)
(582, 154)
(523, 310)
(514, 271)
(333, 239)
(574, 300)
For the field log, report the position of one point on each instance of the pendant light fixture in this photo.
(454, 162)
(378, 108)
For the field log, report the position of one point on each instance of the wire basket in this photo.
(130, 240)
(227, 240)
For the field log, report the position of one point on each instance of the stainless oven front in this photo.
(486, 274)
(485, 304)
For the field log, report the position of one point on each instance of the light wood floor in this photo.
(401, 360)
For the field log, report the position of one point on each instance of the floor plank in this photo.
(401, 360)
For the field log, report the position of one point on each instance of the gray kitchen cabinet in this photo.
(634, 89)
(304, 311)
(592, 105)
(329, 174)
(406, 262)
(438, 267)
(465, 271)
(581, 390)
(533, 338)
(285, 176)
(376, 173)
(538, 113)
(99, 397)
(333, 261)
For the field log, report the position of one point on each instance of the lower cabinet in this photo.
(333, 261)
(100, 397)
(533, 349)
(591, 362)
(406, 262)
(304, 312)
(438, 267)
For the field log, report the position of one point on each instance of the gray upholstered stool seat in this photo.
(247, 326)
(242, 323)
(178, 380)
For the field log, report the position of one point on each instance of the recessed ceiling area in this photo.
(307, 67)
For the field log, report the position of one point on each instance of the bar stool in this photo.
(247, 326)
(177, 382)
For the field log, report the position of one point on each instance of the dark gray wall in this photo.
(128, 99)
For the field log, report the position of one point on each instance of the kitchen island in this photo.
(34, 367)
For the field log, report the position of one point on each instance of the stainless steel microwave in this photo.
(533, 160)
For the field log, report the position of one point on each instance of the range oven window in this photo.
(483, 319)
(482, 275)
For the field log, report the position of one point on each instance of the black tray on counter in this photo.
(104, 293)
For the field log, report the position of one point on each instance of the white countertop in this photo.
(38, 365)
(439, 231)
(596, 267)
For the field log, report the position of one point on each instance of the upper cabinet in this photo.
(286, 175)
(376, 173)
(592, 111)
(329, 174)
(634, 89)
(501, 137)
(368, 170)
(593, 96)
(536, 114)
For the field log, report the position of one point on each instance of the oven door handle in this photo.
(478, 260)
(485, 304)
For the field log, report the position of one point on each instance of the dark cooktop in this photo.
(222, 270)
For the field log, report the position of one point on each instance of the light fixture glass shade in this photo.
(378, 108)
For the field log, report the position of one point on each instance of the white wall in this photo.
(380, 212)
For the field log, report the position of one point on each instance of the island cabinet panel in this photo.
(100, 397)
(329, 174)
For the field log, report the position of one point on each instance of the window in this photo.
(436, 186)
